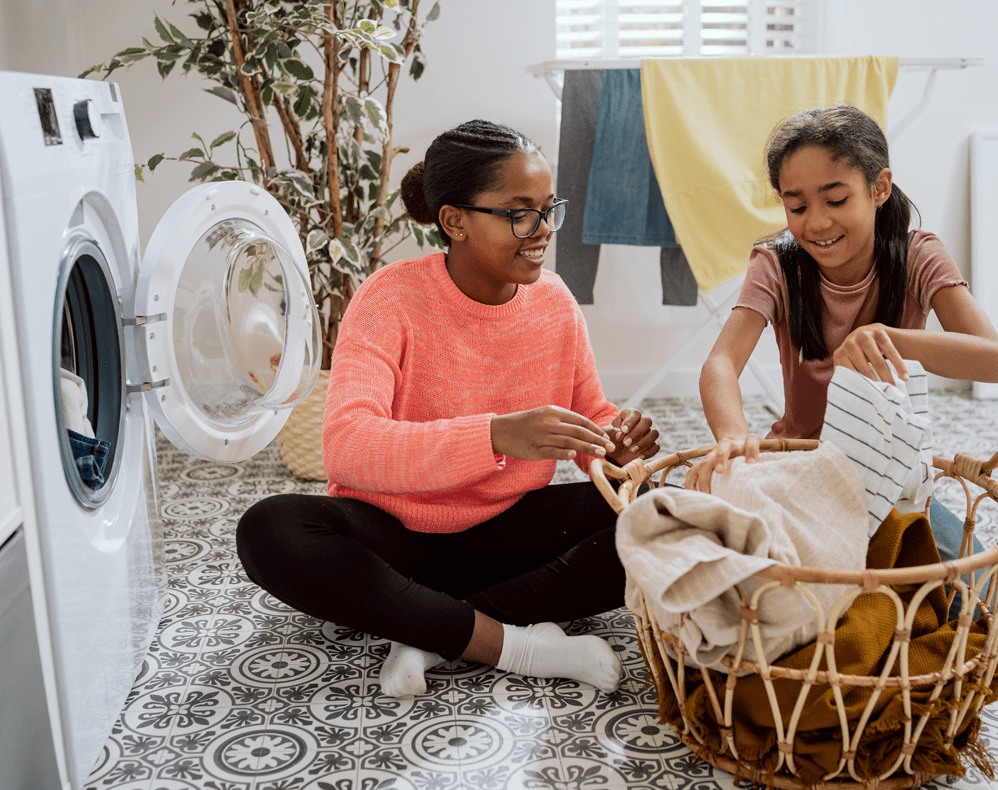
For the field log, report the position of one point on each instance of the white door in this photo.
(227, 333)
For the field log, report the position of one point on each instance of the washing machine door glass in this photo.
(227, 330)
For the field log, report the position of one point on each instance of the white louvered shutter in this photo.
(591, 29)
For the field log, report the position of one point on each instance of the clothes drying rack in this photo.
(715, 318)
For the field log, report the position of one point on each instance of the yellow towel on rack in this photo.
(707, 120)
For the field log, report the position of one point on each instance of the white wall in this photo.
(477, 52)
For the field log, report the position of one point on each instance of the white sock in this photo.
(543, 650)
(402, 673)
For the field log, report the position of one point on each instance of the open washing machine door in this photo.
(227, 334)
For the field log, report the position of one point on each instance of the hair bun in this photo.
(413, 197)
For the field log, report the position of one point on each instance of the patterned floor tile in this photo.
(241, 692)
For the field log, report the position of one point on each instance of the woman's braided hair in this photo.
(459, 165)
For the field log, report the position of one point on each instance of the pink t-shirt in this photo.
(418, 372)
(843, 309)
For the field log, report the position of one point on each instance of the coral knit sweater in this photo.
(418, 372)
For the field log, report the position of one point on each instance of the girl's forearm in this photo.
(722, 399)
(952, 355)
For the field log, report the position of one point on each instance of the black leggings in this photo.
(550, 557)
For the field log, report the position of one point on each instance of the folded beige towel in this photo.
(686, 550)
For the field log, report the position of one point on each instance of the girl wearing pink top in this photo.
(844, 284)
(458, 381)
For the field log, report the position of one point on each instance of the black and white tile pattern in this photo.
(240, 692)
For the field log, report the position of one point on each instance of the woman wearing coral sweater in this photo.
(458, 381)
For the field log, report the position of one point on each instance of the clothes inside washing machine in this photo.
(89, 453)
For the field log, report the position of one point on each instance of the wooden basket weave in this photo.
(958, 688)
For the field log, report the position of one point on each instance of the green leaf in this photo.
(303, 100)
(416, 68)
(367, 26)
(154, 161)
(297, 68)
(316, 239)
(434, 12)
(353, 109)
(375, 113)
(161, 29)
(138, 173)
(191, 153)
(222, 139)
(205, 20)
(224, 93)
(165, 67)
(257, 279)
(180, 36)
(203, 171)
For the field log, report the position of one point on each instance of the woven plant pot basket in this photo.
(300, 440)
(939, 709)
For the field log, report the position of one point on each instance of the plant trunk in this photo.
(331, 121)
(388, 153)
(251, 94)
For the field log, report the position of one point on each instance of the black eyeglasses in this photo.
(525, 221)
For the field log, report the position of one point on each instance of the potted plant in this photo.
(309, 79)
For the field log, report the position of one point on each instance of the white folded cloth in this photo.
(885, 431)
(685, 550)
(74, 403)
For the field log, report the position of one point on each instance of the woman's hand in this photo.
(867, 350)
(633, 437)
(548, 433)
(698, 478)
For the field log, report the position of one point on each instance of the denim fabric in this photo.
(947, 529)
(623, 202)
(577, 261)
(90, 456)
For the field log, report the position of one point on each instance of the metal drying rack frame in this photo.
(549, 68)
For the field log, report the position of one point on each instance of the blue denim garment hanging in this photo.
(623, 202)
(90, 456)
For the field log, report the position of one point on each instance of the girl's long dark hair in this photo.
(850, 134)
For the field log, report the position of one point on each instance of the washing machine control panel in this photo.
(87, 119)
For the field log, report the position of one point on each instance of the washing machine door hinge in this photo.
(145, 386)
(142, 320)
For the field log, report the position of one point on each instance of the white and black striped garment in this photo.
(885, 431)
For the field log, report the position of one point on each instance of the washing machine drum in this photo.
(227, 334)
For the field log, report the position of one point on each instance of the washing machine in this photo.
(212, 334)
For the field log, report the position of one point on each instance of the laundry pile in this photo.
(834, 507)
(686, 550)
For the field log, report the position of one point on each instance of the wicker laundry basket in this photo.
(936, 710)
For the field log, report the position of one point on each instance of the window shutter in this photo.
(599, 29)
